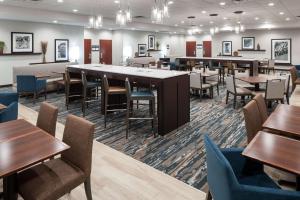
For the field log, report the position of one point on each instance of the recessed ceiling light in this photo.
(133, 29)
(287, 19)
(117, 1)
(256, 18)
(156, 31)
(211, 22)
(1, 0)
(55, 21)
(170, 2)
(203, 12)
(201, 25)
(225, 18)
(60, 1)
(238, 22)
(222, 3)
(176, 25)
(75, 10)
(281, 13)
(271, 4)
(182, 22)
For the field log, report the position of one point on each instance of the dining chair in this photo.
(141, 95)
(57, 177)
(271, 66)
(29, 84)
(10, 100)
(47, 118)
(213, 80)
(262, 107)
(109, 91)
(294, 77)
(253, 119)
(231, 176)
(196, 84)
(69, 82)
(275, 90)
(90, 91)
(235, 91)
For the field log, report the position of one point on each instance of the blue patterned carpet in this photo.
(180, 153)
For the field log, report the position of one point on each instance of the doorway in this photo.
(206, 48)
(191, 49)
(105, 52)
(87, 51)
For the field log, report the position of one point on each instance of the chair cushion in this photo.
(49, 180)
(41, 85)
(206, 86)
(116, 90)
(141, 94)
(258, 180)
(212, 83)
(243, 91)
(75, 80)
(93, 84)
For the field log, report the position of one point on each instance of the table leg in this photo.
(298, 183)
(9, 187)
(257, 87)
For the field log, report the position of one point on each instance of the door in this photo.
(191, 49)
(206, 48)
(87, 51)
(106, 52)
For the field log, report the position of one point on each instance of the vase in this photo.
(44, 58)
(258, 47)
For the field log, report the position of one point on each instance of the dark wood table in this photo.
(2, 107)
(256, 80)
(23, 145)
(276, 151)
(173, 98)
(285, 119)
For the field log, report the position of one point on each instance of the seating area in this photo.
(161, 99)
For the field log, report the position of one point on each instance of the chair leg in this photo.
(234, 101)
(227, 95)
(105, 109)
(127, 118)
(45, 93)
(218, 90)
(208, 196)
(287, 99)
(87, 188)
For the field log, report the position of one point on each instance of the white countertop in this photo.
(229, 58)
(133, 71)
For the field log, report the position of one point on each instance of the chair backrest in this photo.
(220, 175)
(262, 107)
(230, 84)
(67, 76)
(275, 89)
(7, 98)
(47, 118)
(287, 84)
(105, 83)
(9, 113)
(78, 134)
(84, 82)
(271, 63)
(195, 80)
(26, 83)
(253, 119)
(294, 74)
(128, 88)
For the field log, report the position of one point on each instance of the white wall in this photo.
(263, 37)
(42, 32)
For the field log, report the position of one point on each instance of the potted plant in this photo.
(44, 46)
(2, 45)
(157, 45)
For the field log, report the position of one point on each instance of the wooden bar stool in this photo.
(68, 83)
(111, 90)
(136, 96)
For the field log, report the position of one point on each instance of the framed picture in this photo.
(142, 49)
(248, 43)
(21, 42)
(151, 42)
(61, 50)
(281, 50)
(227, 48)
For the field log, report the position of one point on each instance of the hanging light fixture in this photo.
(123, 16)
(160, 11)
(214, 30)
(95, 21)
(239, 28)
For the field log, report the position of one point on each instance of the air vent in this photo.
(191, 17)
(213, 15)
(139, 17)
(238, 12)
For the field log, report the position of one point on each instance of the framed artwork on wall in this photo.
(248, 43)
(142, 50)
(61, 50)
(151, 42)
(281, 51)
(227, 48)
(21, 42)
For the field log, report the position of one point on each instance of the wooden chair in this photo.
(196, 84)
(47, 118)
(294, 77)
(213, 80)
(57, 177)
(235, 91)
(275, 90)
(253, 120)
(262, 107)
(68, 83)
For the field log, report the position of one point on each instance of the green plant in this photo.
(2, 45)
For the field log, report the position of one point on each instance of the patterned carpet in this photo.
(180, 153)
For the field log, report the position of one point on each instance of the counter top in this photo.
(220, 58)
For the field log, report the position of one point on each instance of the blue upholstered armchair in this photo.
(232, 176)
(30, 84)
(11, 101)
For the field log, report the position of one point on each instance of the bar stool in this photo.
(111, 90)
(68, 82)
(136, 96)
(89, 91)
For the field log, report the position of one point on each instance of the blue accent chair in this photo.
(11, 101)
(29, 84)
(231, 176)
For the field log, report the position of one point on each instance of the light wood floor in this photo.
(116, 176)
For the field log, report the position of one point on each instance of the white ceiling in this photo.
(49, 10)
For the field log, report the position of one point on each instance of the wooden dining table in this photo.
(276, 151)
(21, 146)
(285, 119)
